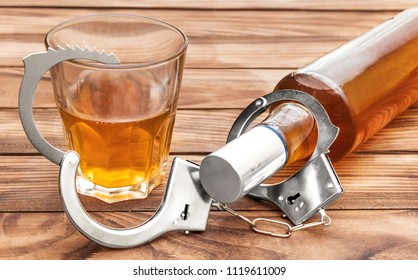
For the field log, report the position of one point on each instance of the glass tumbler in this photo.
(119, 118)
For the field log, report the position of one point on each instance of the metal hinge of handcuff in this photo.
(186, 205)
(312, 188)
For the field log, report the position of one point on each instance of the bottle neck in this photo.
(296, 126)
(288, 134)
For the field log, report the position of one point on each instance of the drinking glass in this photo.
(119, 118)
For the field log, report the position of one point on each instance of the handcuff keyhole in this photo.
(185, 214)
(292, 199)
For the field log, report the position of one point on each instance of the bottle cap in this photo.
(232, 171)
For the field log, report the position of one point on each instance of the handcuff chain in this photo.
(325, 220)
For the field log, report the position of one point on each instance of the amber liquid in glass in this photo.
(115, 155)
(122, 158)
(107, 159)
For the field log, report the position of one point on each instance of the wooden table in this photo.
(238, 51)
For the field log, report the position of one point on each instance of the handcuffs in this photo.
(186, 205)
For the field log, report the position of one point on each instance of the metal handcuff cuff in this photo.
(186, 205)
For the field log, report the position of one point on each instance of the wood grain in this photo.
(376, 5)
(29, 183)
(238, 50)
(198, 131)
(221, 55)
(201, 88)
(210, 25)
(352, 235)
(279, 54)
(218, 39)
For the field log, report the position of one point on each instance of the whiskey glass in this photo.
(119, 118)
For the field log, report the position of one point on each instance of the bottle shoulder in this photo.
(332, 98)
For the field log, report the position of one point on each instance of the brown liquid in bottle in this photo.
(297, 127)
(362, 85)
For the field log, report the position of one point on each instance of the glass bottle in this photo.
(362, 85)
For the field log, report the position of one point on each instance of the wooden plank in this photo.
(399, 132)
(280, 54)
(11, 78)
(193, 130)
(226, 39)
(377, 5)
(29, 183)
(378, 235)
(198, 131)
(201, 88)
(251, 48)
(210, 25)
